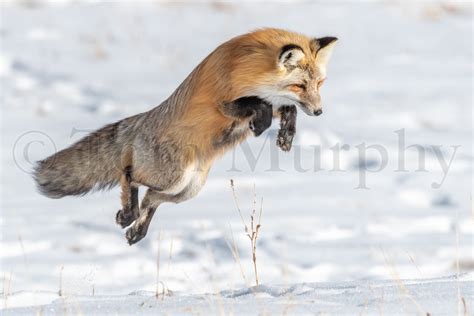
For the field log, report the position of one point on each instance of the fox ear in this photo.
(290, 55)
(323, 47)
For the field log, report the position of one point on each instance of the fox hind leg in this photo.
(129, 196)
(150, 203)
(138, 230)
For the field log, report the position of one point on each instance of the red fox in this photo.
(234, 92)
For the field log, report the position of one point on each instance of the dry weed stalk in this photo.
(164, 290)
(39, 311)
(23, 250)
(252, 232)
(217, 294)
(414, 263)
(60, 291)
(379, 302)
(457, 265)
(404, 292)
(235, 253)
(461, 300)
(6, 288)
(464, 306)
(170, 254)
(157, 293)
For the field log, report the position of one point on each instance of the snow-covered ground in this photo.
(335, 237)
(413, 297)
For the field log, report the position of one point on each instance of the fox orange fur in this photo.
(232, 93)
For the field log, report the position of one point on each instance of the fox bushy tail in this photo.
(91, 163)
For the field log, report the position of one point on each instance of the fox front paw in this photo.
(262, 119)
(285, 139)
(287, 129)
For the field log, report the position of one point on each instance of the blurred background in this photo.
(69, 67)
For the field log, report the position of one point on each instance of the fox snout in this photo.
(311, 110)
(310, 103)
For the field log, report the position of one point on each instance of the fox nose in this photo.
(318, 112)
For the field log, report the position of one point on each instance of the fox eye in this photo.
(297, 87)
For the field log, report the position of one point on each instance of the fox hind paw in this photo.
(135, 233)
(124, 218)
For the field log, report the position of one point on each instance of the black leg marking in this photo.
(241, 108)
(262, 119)
(126, 216)
(254, 108)
(129, 196)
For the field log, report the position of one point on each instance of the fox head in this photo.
(281, 67)
(301, 75)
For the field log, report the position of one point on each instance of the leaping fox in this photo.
(232, 93)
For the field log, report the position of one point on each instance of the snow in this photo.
(336, 237)
(407, 297)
